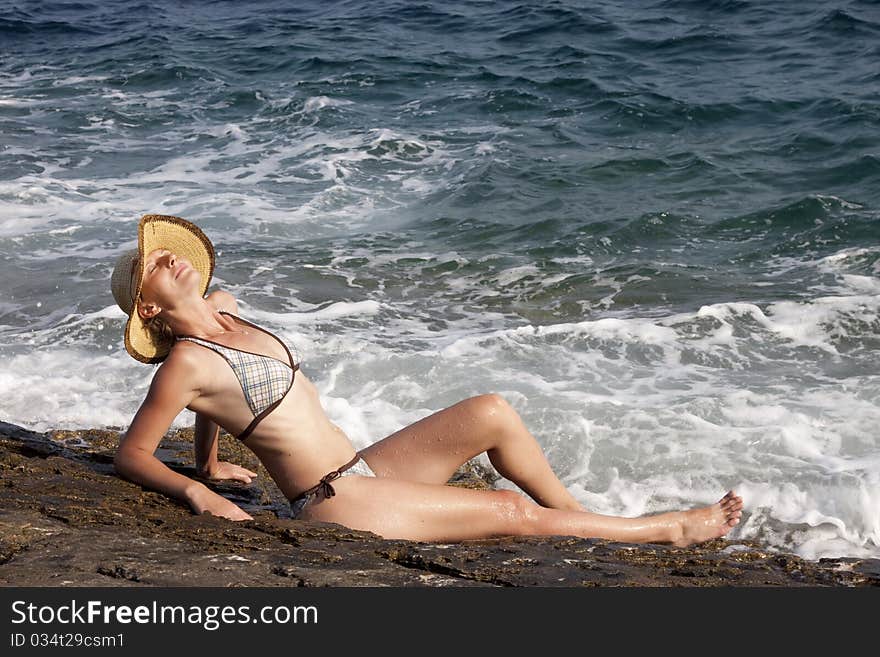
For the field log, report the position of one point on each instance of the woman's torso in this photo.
(296, 441)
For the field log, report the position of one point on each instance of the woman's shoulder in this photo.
(223, 300)
(180, 375)
(180, 361)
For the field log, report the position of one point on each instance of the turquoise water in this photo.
(652, 226)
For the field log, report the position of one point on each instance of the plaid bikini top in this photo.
(264, 380)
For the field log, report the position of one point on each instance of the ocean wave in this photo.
(708, 6)
(840, 22)
(809, 213)
(29, 26)
(550, 22)
(623, 168)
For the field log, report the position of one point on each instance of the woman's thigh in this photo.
(418, 511)
(432, 449)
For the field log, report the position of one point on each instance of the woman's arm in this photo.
(205, 445)
(172, 389)
(207, 464)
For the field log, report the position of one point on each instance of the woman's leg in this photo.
(418, 511)
(431, 449)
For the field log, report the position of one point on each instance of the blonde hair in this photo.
(159, 329)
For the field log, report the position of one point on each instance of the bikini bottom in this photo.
(356, 466)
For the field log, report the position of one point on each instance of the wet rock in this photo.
(66, 519)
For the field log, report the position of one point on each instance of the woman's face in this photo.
(167, 277)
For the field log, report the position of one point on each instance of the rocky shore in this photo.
(66, 519)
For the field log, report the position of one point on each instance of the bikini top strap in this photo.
(293, 366)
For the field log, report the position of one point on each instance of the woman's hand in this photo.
(203, 500)
(224, 470)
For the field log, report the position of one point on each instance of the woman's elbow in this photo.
(120, 463)
(125, 462)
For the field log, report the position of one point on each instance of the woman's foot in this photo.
(713, 521)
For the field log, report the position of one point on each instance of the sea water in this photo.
(653, 226)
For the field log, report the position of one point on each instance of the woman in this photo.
(235, 375)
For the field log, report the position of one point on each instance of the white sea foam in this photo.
(829, 201)
(228, 168)
(317, 103)
(77, 79)
(16, 102)
(70, 387)
(514, 274)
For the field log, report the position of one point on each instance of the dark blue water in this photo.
(666, 210)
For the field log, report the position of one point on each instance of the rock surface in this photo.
(66, 519)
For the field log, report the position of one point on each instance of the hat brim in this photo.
(184, 239)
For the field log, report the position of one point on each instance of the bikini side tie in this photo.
(324, 485)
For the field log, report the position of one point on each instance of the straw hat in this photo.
(156, 231)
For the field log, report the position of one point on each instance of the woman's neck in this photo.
(200, 319)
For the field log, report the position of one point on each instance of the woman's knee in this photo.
(493, 410)
(518, 511)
